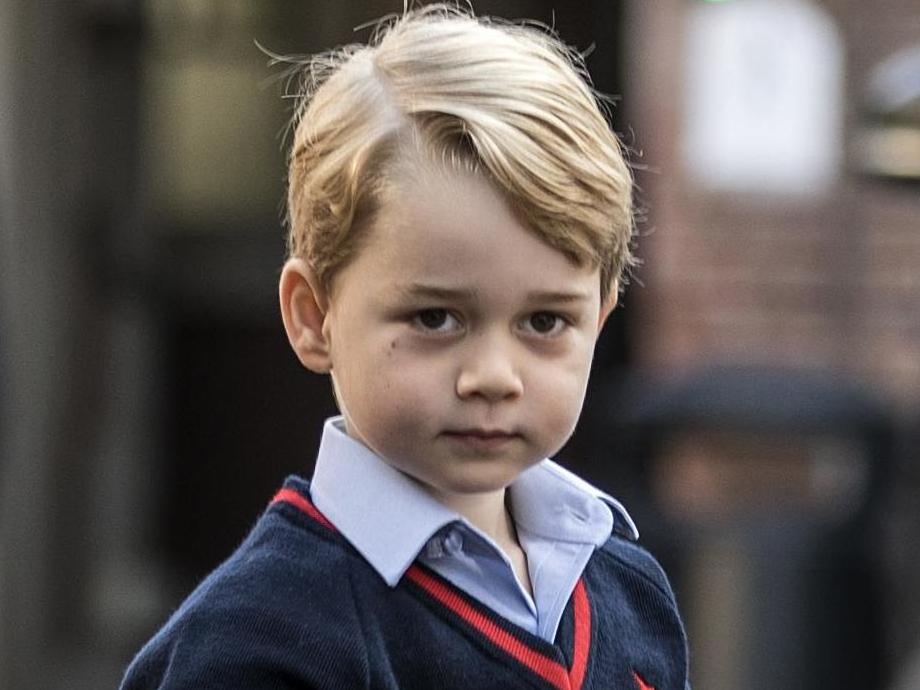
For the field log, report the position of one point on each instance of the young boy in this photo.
(460, 217)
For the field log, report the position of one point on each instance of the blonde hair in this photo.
(507, 101)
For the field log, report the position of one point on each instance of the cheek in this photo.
(558, 398)
(395, 387)
(558, 391)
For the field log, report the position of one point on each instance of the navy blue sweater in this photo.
(297, 607)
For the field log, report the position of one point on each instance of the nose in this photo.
(490, 372)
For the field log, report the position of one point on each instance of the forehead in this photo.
(455, 229)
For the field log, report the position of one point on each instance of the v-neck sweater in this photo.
(296, 606)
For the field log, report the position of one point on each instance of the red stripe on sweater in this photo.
(582, 641)
(545, 667)
(548, 669)
(294, 498)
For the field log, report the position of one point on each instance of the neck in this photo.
(486, 511)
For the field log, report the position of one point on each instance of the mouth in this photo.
(481, 439)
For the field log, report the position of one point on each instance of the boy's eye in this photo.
(439, 320)
(545, 323)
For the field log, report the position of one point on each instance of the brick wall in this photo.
(829, 282)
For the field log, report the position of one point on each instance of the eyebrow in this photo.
(437, 292)
(469, 294)
(557, 296)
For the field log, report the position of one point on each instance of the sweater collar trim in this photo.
(485, 626)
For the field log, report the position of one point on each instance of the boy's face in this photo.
(460, 343)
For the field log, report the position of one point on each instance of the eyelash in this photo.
(561, 323)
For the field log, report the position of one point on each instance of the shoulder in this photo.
(629, 581)
(631, 594)
(287, 567)
(278, 608)
(628, 555)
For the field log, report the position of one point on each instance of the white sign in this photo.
(763, 97)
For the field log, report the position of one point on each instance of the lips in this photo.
(484, 439)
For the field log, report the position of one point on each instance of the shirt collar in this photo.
(388, 517)
(382, 512)
(554, 503)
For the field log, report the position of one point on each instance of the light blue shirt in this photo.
(392, 521)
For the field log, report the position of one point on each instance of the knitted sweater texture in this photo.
(296, 607)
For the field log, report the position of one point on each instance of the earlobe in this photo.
(304, 305)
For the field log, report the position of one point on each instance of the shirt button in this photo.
(453, 542)
(434, 549)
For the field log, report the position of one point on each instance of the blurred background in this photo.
(756, 399)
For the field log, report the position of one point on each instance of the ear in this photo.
(609, 305)
(303, 309)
